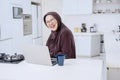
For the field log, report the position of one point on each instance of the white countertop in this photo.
(113, 60)
(73, 69)
(87, 34)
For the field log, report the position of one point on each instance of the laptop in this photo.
(37, 54)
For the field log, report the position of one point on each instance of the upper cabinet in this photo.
(26, 6)
(85, 6)
(106, 6)
(76, 7)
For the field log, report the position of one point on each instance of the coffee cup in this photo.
(60, 59)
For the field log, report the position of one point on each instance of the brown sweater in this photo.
(62, 40)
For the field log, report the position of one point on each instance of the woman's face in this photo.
(51, 22)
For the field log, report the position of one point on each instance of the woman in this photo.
(61, 40)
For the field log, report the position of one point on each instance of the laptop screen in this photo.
(37, 54)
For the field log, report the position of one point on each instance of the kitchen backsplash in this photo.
(104, 23)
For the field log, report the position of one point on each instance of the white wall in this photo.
(104, 22)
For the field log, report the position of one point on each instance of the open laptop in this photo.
(37, 54)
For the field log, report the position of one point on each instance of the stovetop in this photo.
(14, 59)
(10, 62)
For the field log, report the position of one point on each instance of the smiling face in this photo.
(51, 22)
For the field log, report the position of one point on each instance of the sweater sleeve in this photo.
(65, 43)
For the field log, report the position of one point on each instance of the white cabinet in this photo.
(75, 7)
(87, 44)
(85, 6)
(113, 73)
(70, 7)
(5, 20)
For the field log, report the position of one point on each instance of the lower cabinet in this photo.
(87, 44)
(113, 73)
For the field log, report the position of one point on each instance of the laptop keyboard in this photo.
(54, 61)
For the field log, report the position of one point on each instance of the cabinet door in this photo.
(85, 6)
(87, 45)
(5, 20)
(73, 7)
(70, 7)
(83, 45)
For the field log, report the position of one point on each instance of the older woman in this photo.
(61, 40)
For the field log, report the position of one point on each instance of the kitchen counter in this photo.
(113, 60)
(73, 69)
(87, 44)
(87, 34)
